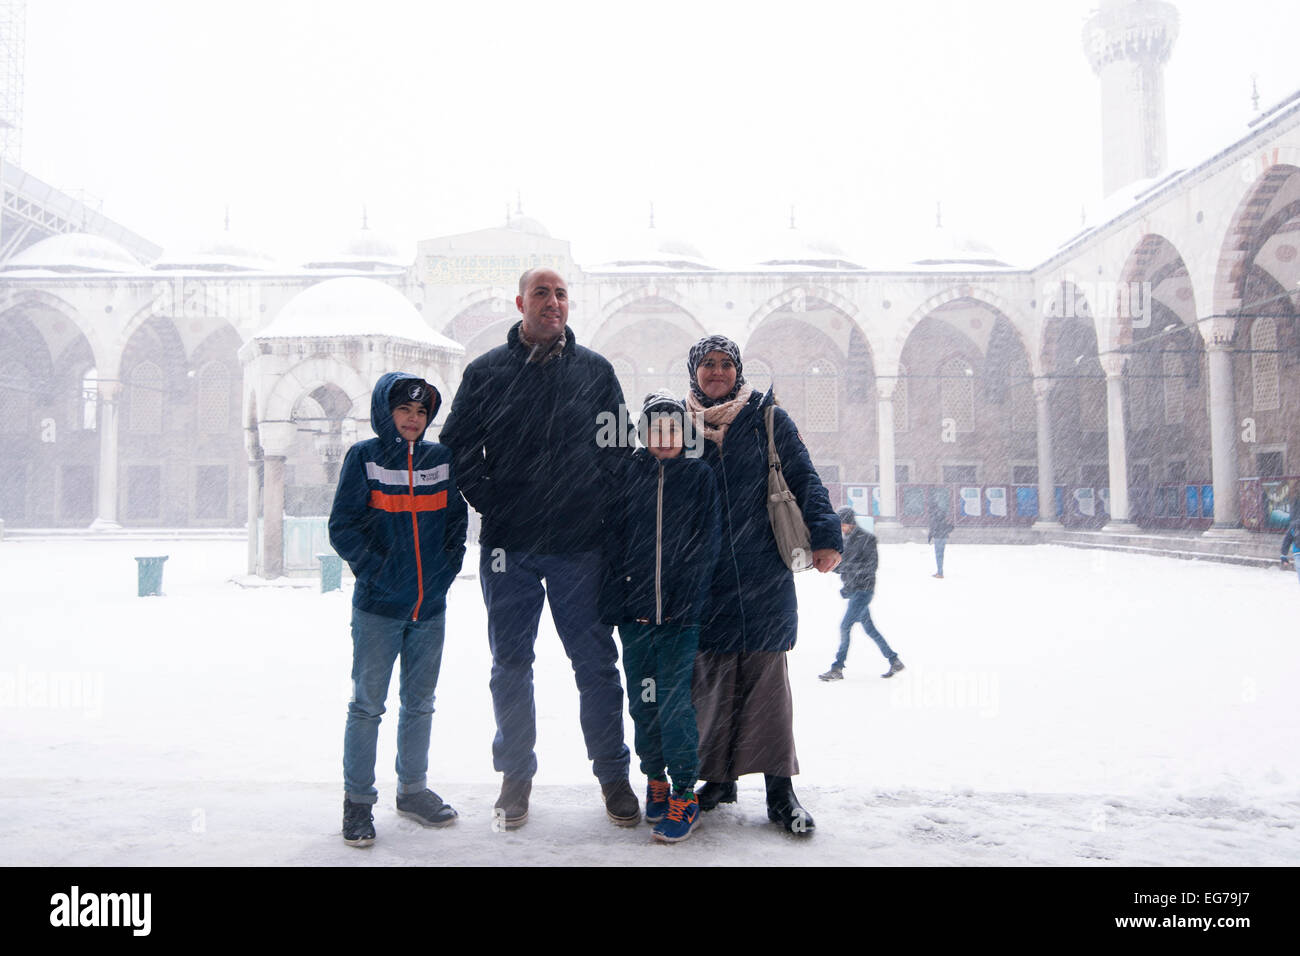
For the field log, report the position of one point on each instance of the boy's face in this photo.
(411, 419)
(664, 438)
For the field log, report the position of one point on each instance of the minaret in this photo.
(1127, 42)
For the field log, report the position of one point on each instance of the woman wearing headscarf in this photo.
(741, 685)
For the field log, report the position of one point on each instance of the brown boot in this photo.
(511, 809)
(620, 803)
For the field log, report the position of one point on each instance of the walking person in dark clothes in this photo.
(940, 528)
(858, 568)
(1291, 542)
(524, 433)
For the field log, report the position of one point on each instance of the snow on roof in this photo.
(945, 247)
(793, 247)
(351, 306)
(221, 252)
(654, 250)
(75, 252)
(364, 249)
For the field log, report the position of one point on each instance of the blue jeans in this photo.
(939, 544)
(513, 593)
(659, 661)
(377, 642)
(857, 612)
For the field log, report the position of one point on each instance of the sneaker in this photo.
(895, 665)
(936, 575)
(511, 809)
(426, 808)
(358, 823)
(835, 673)
(620, 803)
(712, 793)
(656, 799)
(683, 812)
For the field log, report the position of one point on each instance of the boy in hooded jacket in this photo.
(664, 544)
(399, 521)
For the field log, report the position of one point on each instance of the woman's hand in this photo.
(825, 559)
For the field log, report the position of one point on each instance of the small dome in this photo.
(222, 252)
(944, 247)
(366, 250)
(75, 252)
(655, 249)
(352, 306)
(794, 248)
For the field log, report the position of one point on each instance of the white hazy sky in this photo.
(724, 114)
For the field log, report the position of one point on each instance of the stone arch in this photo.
(601, 330)
(308, 375)
(1244, 233)
(984, 297)
(798, 294)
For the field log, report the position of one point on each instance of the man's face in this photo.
(545, 306)
(847, 529)
(411, 419)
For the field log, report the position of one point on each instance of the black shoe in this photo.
(835, 673)
(711, 794)
(511, 808)
(426, 808)
(895, 665)
(783, 807)
(620, 803)
(358, 823)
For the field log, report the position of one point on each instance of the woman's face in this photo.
(716, 374)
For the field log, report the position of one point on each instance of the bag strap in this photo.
(773, 459)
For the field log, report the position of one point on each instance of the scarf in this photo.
(712, 421)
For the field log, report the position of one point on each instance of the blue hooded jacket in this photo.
(398, 519)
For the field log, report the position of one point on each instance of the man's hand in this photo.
(825, 559)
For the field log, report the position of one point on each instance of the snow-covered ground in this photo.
(1058, 707)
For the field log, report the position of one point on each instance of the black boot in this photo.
(783, 807)
(712, 793)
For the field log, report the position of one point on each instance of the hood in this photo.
(381, 417)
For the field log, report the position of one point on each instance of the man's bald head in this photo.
(543, 301)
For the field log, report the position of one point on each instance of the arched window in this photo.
(1174, 388)
(144, 409)
(901, 387)
(758, 374)
(957, 393)
(214, 399)
(822, 397)
(1263, 365)
(1023, 414)
(15, 397)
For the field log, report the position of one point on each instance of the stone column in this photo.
(254, 494)
(108, 392)
(1046, 520)
(1117, 463)
(1223, 436)
(885, 435)
(276, 439)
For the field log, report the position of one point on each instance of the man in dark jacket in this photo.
(524, 430)
(1291, 543)
(940, 528)
(859, 572)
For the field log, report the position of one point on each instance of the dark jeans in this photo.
(513, 593)
(659, 661)
(857, 612)
(939, 545)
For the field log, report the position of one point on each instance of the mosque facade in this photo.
(1144, 375)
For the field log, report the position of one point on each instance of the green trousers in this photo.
(659, 661)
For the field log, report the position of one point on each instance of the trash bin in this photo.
(150, 571)
(331, 572)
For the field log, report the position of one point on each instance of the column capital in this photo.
(885, 386)
(108, 390)
(276, 438)
(1218, 332)
(1112, 363)
(1042, 386)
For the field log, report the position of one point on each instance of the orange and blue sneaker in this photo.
(677, 824)
(656, 799)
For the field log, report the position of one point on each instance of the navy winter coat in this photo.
(398, 519)
(752, 604)
(523, 437)
(858, 566)
(664, 539)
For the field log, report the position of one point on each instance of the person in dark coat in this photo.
(1291, 542)
(742, 687)
(525, 431)
(664, 546)
(858, 569)
(940, 528)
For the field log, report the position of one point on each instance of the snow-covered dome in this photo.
(75, 252)
(528, 226)
(365, 249)
(945, 247)
(793, 248)
(221, 252)
(653, 249)
(352, 306)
